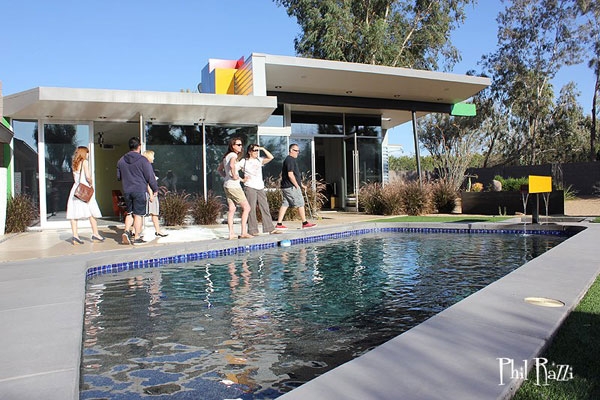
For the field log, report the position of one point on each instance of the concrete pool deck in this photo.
(451, 355)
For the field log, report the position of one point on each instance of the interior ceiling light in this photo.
(439, 99)
(277, 87)
(49, 116)
(348, 91)
(152, 119)
(102, 117)
(397, 96)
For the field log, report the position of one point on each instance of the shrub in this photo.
(512, 184)
(392, 198)
(174, 207)
(206, 212)
(477, 187)
(415, 199)
(20, 213)
(274, 198)
(371, 199)
(443, 196)
(570, 193)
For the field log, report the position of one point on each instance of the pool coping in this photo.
(451, 355)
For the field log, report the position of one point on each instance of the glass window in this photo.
(26, 159)
(369, 154)
(217, 139)
(317, 124)
(61, 140)
(177, 156)
(366, 125)
(304, 159)
(278, 146)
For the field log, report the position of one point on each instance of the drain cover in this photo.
(544, 302)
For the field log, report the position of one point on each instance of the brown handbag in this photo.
(83, 192)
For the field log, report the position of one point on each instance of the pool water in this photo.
(256, 325)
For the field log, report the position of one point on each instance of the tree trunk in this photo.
(489, 152)
(593, 132)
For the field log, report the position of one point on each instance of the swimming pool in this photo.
(259, 324)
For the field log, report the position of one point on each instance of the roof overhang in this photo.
(5, 134)
(67, 104)
(399, 90)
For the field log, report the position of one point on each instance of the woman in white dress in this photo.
(78, 209)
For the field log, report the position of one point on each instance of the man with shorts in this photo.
(290, 188)
(136, 173)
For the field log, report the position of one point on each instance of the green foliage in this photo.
(512, 184)
(174, 207)
(443, 197)
(569, 193)
(20, 213)
(535, 39)
(398, 33)
(416, 199)
(409, 163)
(206, 212)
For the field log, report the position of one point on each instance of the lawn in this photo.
(463, 219)
(597, 219)
(576, 344)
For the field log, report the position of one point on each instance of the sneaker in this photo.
(161, 234)
(139, 241)
(307, 224)
(126, 237)
(280, 227)
(275, 232)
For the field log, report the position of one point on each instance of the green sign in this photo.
(5, 122)
(463, 110)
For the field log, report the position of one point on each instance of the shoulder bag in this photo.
(83, 192)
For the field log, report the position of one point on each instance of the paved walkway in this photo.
(54, 243)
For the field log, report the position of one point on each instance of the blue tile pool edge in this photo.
(183, 258)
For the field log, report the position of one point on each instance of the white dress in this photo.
(77, 209)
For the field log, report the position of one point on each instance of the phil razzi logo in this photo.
(544, 372)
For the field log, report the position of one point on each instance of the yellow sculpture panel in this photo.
(540, 184)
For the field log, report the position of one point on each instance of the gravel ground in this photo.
(589, 206)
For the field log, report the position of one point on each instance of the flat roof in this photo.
(363, 81)
(125, 105)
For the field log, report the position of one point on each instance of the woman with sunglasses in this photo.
(254, 187)
(228, 168)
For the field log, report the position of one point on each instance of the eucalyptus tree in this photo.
(397, 33)
(535, 39)
(591, 11)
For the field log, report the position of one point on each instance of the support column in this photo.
(204, 177)
(416, 138)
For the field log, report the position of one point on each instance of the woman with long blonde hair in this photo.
(76, 208)
(152, 200)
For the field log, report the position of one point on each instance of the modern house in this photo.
(337, 112)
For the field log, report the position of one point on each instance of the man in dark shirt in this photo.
(290, 188)
(136, 173)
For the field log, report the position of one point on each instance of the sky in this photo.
(163, 46)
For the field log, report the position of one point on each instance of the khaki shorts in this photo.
(292, 197)
(235, 194)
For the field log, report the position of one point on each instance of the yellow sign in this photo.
(540, 184)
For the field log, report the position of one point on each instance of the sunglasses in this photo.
(253, 150)
(295, 150)
(237, 144)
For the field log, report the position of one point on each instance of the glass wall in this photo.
(369, 154)
(60, 141)
(26, 159)
(278, 146)
(217, 139)
(304, 159)
(276, 118)
(365, 125)
(317, 124)
(177, 156)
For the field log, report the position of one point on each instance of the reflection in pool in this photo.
(257, 325)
